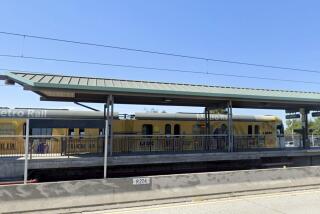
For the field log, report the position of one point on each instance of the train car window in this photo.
(36, 131)
(176, 129)
(101, 132)
(280, 129)
(250, 130)
(81, 132)
(49, 131)
(71, 132)
(167, 129)
(41, 131)
(147, 129)
(256, 130)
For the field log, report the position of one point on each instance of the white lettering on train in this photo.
(23, 113)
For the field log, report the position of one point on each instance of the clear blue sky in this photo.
(268, 32)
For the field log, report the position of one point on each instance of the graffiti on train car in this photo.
(146, 143)
(84, 144)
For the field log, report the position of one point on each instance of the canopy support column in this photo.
(230, 127)
(305, 128)
(106, 136)
(26, 152)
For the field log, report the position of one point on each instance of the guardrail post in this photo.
(26, 151)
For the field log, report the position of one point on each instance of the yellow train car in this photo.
(51, 131)
(248, 131)
(9, 129)
(76, 132)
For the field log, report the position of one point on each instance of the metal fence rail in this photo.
(248, 143)
(314, 140)
(126, 144)
(51, 146)
(293, 141)
(11, 146)
(82, 145)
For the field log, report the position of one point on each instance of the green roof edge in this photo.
(20, 79)
(160, 91)
(31, 83)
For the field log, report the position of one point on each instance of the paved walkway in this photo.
(306, 202)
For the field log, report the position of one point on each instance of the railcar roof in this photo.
(71, 114)
(51, 114)
(201, 117)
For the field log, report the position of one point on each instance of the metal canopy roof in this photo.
(86, 89)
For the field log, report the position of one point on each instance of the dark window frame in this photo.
(177, 129)
(257, 130)
(70, 131)
(101, 132)
(41, 131)
(82, 132)
(167, 129)
(250, 130)
(147, 129)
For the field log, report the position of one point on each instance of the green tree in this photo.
(292, 125)
(315, 126)
(296, 124)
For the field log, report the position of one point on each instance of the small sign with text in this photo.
(141, 181)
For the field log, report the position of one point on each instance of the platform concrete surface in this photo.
(296, 202)
(13, 167)
(127, 191)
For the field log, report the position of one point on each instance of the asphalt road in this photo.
(306, 202)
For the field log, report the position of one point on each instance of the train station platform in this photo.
(13, 167)
(53, 87)
(89, 195)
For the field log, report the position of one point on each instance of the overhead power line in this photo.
(162, 53)
(154, 68)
